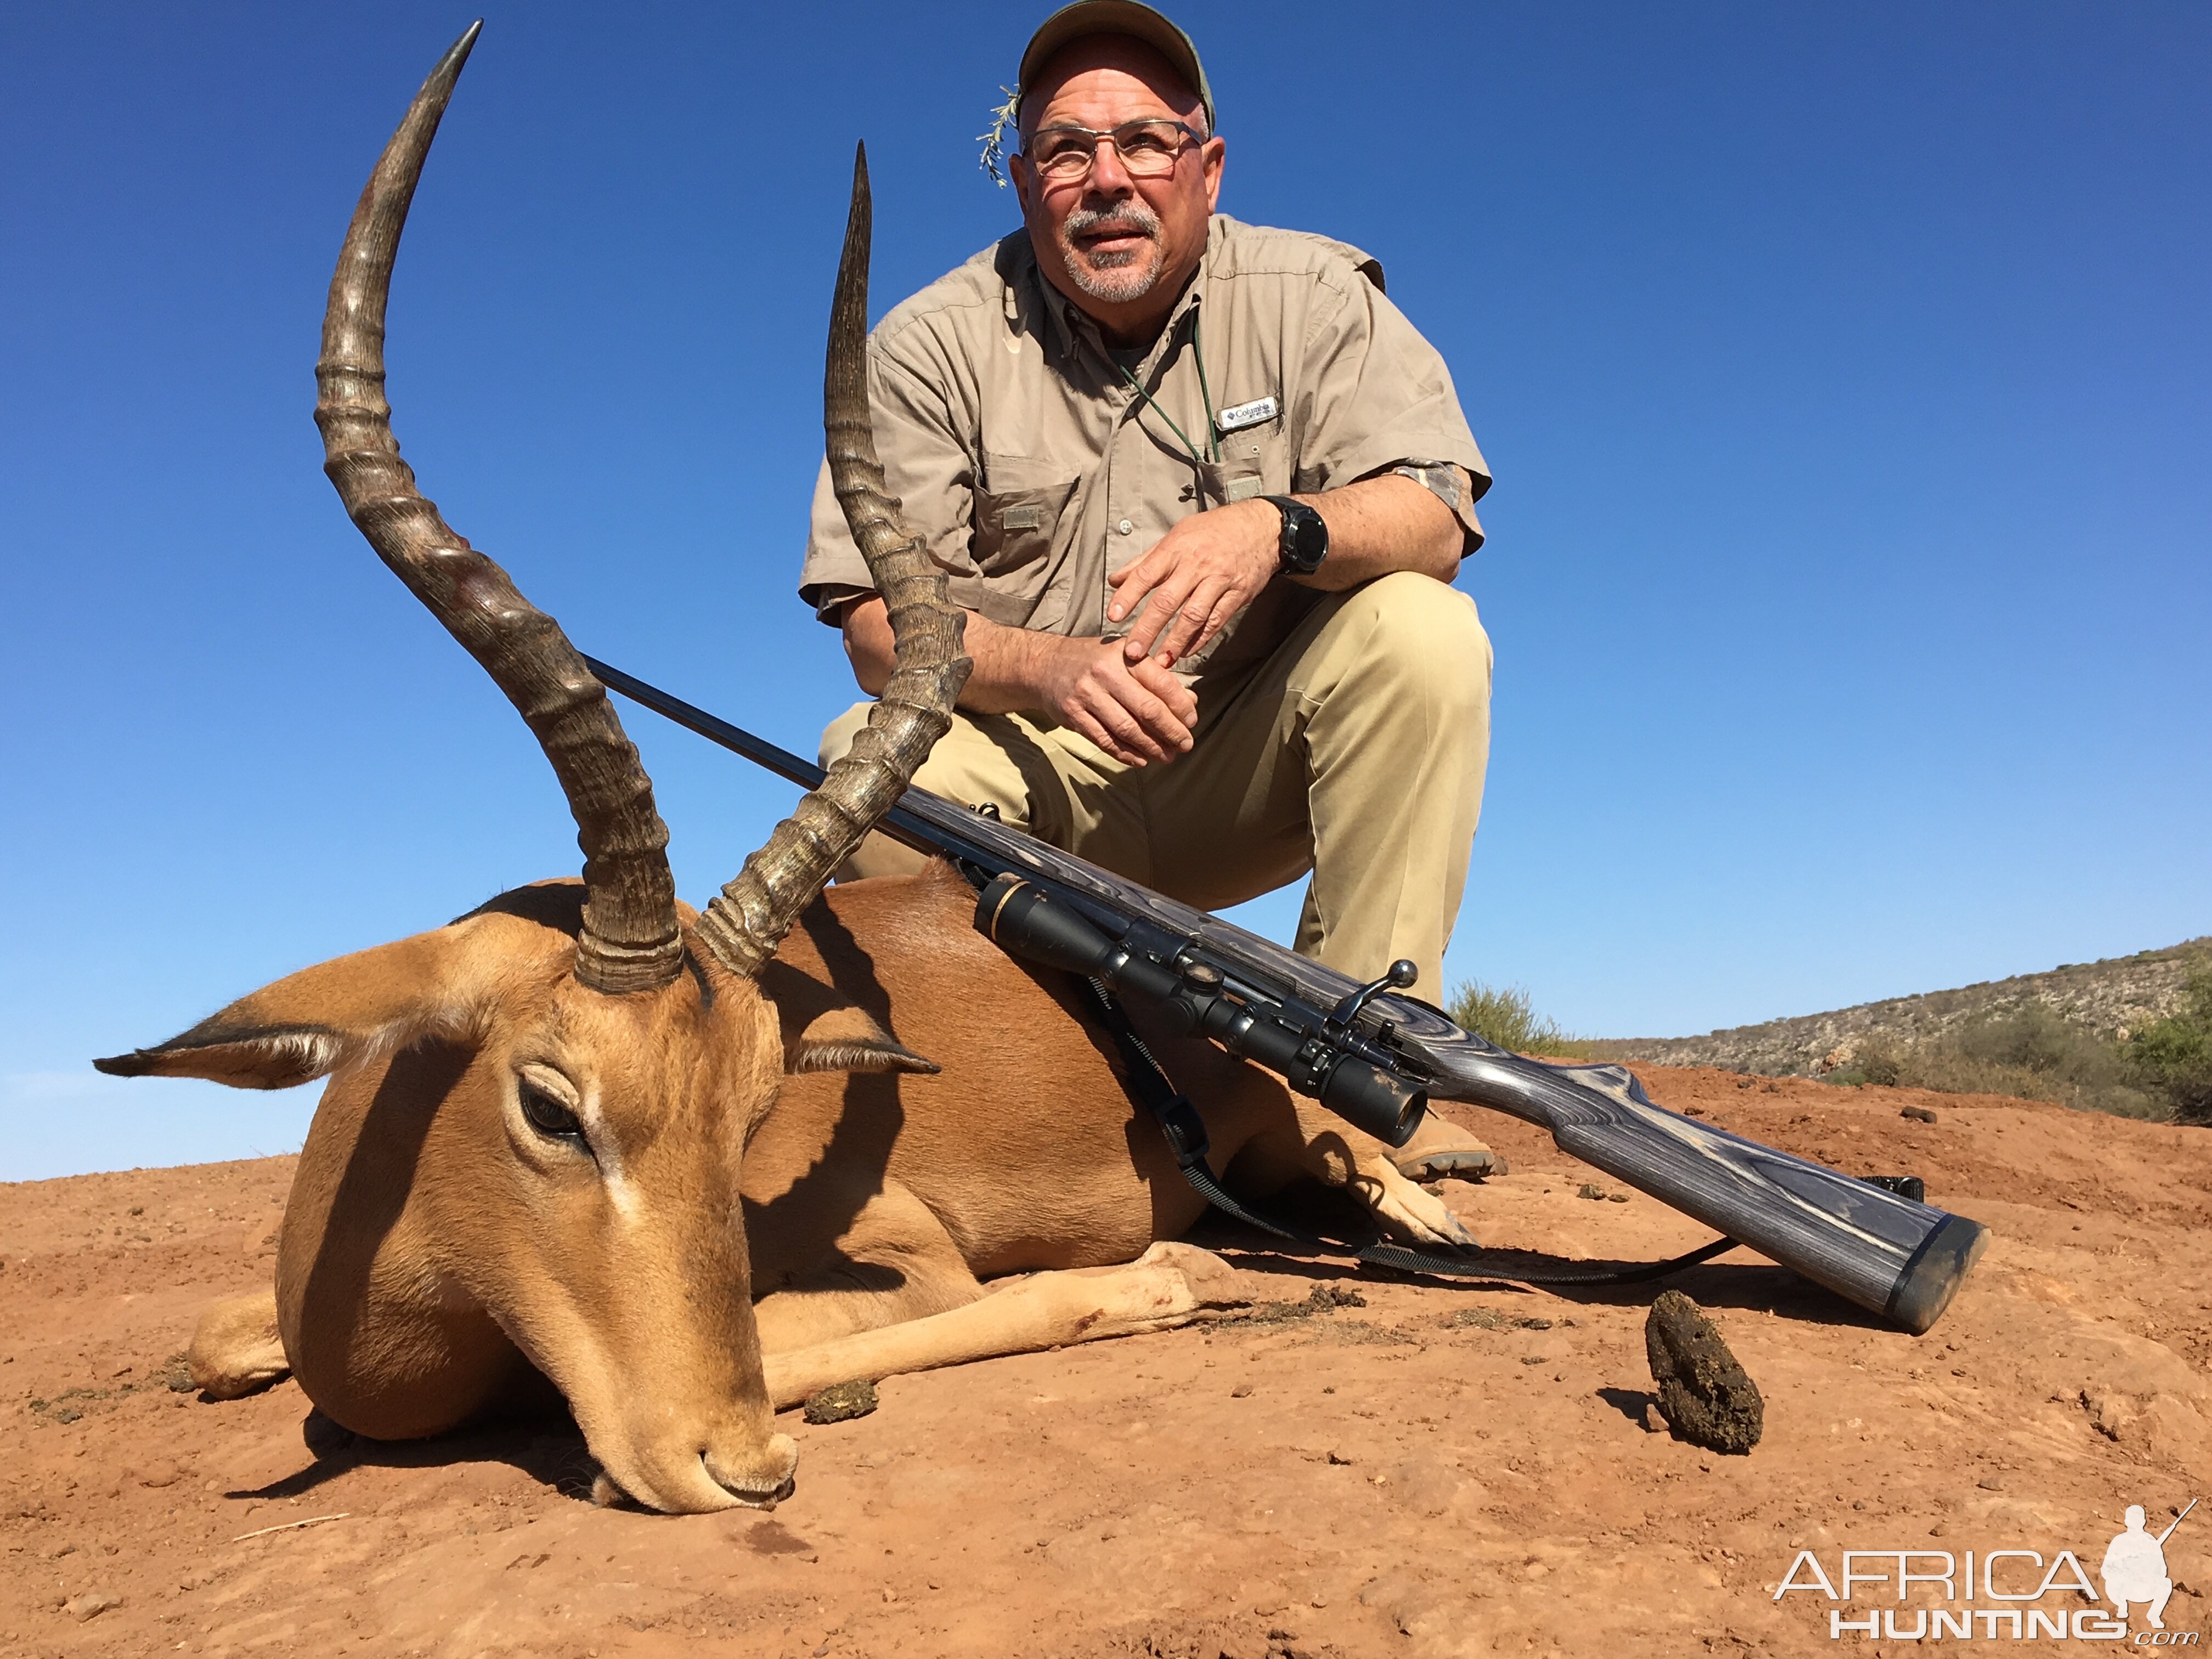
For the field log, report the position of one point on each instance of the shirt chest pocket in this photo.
(1019, 545)
(1254, 462)
(1016, 528)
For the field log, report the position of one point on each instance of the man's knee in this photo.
(975, 762)
(1426, 635)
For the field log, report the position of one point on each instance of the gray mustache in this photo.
(1142, 221)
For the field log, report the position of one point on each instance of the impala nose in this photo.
(759, 1480)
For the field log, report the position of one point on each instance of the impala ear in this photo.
(223, 1050)
(823, 1030)
(335, 1014)
(848, 1039)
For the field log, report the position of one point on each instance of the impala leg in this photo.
(235, 1347)
(892, 1263)
(1169, 1284)
(1362, 1166)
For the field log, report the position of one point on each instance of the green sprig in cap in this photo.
(1072, 22)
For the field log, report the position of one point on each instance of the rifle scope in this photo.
(1019, 918)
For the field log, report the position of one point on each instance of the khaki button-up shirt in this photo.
(1031, 469)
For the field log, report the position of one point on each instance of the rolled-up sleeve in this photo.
(1382, 398)
(926, 466)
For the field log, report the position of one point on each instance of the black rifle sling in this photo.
(1186, 1137)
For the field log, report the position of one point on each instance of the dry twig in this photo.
(292, 1526)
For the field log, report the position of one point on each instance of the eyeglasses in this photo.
(1148, 149)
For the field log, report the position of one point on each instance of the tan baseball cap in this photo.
(1129, 17)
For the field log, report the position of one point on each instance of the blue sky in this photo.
(1846, 373)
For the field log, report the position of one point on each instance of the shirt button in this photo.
(1126, 527)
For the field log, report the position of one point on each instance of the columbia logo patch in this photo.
(1258, 412)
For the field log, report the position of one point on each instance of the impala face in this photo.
(597, 1221)
(523, 1169)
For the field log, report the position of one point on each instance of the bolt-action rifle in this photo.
(1376, 1057)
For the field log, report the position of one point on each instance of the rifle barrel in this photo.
(912, 821)
(2178, 1519)
(735, 738)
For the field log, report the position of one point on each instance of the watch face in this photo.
(1305, 536)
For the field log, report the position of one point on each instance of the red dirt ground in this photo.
(1377, 1479)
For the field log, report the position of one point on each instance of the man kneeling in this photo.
(1201, 489)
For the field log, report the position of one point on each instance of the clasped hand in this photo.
(1121, 694)
(1204, 570)
(1137, 712)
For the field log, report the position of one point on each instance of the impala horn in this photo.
(630, 939)
(744, 925)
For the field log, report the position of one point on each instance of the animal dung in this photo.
(1919, 1114)
(841, 1402)
(1489, 1319)
(1707, 1398)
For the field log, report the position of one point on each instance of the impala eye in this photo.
(548, 1116)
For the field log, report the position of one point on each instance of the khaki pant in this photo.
(1355, 751)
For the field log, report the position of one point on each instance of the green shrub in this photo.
(2174, 1055)
(1502, 1015)
(2030, 1054)
(1884, 1065)
(1877, 1062)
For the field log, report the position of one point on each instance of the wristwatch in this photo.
(1305, 536)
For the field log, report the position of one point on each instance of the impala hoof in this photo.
(1472, 1164)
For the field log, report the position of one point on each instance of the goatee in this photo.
(1123, 274)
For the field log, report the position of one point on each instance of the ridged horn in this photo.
(744, 925)
(630, 940)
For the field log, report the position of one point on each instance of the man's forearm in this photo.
(1138, 713)
(1009, 661)
(1381, 525)
(1210, 565)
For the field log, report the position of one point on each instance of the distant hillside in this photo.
(2108, 999)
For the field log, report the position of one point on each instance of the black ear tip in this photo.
(137, 1063)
